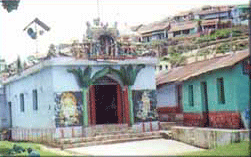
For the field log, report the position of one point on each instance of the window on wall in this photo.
(190, 95)
(35, 103)
(160, 67)
(221, 92)
(21, 96)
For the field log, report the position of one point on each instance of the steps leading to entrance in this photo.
(104, 134)
(104, 139)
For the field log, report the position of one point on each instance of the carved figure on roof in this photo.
(79, 51)
(96, 21)
(88, 30)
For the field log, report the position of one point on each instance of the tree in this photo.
(128, 75)
(175, 59)
(85, 79)
(10, 5)
(159, 44)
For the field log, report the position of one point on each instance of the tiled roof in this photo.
(182, 26)
(213, 22)
(189, 71)
(135, 28)
(214, 10)
(153, 27)
(183, 13)
(209, 22)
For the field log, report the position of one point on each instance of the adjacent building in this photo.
(154, 31)
(215, 12)
(214, 92)
(182, 29)
(240, 14)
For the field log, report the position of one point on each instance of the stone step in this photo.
(114, 132)
(102, 137)
(112, 141)
(109, 128)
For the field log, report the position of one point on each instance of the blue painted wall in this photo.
(49, 81)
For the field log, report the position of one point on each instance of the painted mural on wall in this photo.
(145, 105)
(68, 109)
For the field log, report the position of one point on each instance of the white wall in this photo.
(64, 81)
(166, 96)
(145, 79)
(51, 80)
(42, 81)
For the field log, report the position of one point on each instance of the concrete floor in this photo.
(146, 147)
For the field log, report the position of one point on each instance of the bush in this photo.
(236, 33)
(222, 33)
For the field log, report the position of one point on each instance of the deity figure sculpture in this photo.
(68, 113)
(144, 107)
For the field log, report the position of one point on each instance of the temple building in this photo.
(93, 83)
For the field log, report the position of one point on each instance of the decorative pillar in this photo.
(89, 107)
(116, 49)
(119, 105)
(91, 48)
(131, 114)
(93, 105)
(126, 104)
(85, 107)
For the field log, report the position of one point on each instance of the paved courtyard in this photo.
(146, 147)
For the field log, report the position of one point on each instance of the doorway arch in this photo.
(106, 104)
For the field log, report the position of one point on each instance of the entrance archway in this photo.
(106, 105)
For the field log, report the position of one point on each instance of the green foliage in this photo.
(222, 33)
(175, 59)
(157, 43)
(7, 147)
(204, 51)
(236, 33)
(223, 48)
(235, 149)
(172, 49)
(10, 5)
(84, 77)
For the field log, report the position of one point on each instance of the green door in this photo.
(204, 98)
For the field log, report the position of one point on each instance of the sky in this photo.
(67, 19)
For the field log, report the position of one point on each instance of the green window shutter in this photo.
(221, 92)
(190, 95)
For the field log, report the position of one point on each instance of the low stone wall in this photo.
(40, 135)
(208, 137)
(167, 125)
(146, 127)
(50, 134)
